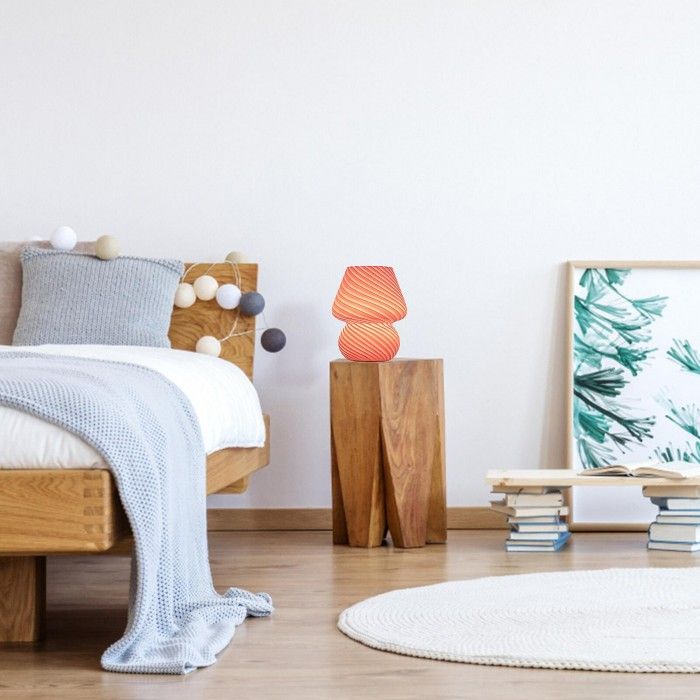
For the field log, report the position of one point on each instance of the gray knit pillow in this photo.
(74, 299)
(11, 283)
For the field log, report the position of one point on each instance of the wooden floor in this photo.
(298, 653)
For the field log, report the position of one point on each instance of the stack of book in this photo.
(677, 526)
(535, 517)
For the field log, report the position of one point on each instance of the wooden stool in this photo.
(388, 452)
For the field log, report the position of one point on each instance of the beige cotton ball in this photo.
(205, 287)
(208, 345)
(107, 247)
(184, 296)
(235, 256)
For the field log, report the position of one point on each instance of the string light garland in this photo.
(228, 296)
(205, 287)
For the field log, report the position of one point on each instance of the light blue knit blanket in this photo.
(146, 430)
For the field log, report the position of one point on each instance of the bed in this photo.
(57, 509)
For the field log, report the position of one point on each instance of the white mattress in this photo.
(224, 401)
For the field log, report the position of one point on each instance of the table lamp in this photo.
(369, 301)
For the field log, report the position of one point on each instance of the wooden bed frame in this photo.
(78, 511)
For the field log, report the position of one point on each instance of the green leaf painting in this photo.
(612, 345)
(685, 355)
(686, 417)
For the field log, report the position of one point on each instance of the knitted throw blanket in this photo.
(146, 430)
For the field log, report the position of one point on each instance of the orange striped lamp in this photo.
(369, 300)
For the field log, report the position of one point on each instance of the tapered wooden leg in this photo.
(437, 506)
(340, 529)
(22, 599)
(358, 480)
(413, 465)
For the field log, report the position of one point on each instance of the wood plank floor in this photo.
(298, 653)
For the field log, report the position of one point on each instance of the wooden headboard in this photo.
(208, 318)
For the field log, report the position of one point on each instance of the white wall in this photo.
(475, 146)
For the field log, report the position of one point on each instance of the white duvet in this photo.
(224, 401)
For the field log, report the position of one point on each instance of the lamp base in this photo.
(369, 342)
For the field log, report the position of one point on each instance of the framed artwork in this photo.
(633, 345)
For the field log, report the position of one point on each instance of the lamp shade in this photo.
(369, 293)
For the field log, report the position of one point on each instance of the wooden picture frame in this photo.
(641, 356)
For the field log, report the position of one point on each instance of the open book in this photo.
(665, 470)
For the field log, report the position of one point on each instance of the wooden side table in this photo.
(388, 452)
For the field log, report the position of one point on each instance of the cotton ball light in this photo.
(205, 287)
(208, 345)
(273, 339)
(251, 303)
(235, 256)
(107, 247)
(184, 296)
(228, 296)
(64, 238)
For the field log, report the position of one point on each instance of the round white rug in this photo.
(641, 620)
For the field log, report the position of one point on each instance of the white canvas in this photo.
(644, 333)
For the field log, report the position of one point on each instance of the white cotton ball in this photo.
(228, 296)
(64, 238)
(185, 296)
(208, 345)
(205, 287)
(36, 239)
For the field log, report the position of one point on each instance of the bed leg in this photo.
(22, 599)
